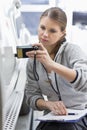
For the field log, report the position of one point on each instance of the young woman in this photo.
(60, 74)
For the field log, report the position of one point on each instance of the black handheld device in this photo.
(21, 50)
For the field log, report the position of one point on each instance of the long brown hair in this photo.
(58, 15)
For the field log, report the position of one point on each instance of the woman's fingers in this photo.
(40, 46)
(38, 53)
(61, 108)
(57, 107)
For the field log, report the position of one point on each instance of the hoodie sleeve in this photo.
(77, 60)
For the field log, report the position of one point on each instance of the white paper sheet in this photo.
(75, 116)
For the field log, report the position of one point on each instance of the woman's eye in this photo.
(42, 27)
(53, 31)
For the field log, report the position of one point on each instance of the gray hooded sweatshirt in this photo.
(73, 94)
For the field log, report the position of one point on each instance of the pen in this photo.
(72, 113)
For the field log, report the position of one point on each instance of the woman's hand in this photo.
(56, 107)
(42, 56)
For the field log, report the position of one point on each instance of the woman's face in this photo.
(49, 32)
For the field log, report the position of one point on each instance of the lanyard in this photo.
(58, 92)
(36, 76)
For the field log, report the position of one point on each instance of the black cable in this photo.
(57, 87)
(36, 76)
(50, 82)
(57, 92)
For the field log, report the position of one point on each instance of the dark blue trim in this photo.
(75, 77)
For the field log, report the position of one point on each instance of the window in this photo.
(35, 2)
(31, 11)
(31, 22)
